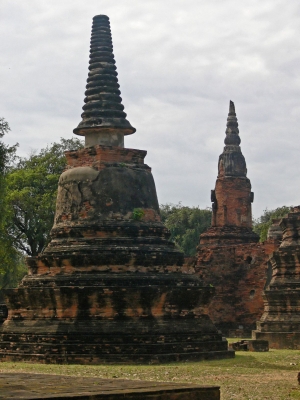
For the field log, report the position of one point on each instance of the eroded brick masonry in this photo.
(110, 286)
(229, 256)
(280, 322)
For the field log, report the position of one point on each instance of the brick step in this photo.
(115, 339)
(57, 358)
(281, 325)
(101, 349)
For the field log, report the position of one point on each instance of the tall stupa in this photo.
(110, 287)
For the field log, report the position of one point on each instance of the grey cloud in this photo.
(179, 64)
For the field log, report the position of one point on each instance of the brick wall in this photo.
(238, 273)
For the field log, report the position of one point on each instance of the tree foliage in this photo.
(7, 157)
(7, 153)
(31, 195)
(185, 224)
(12, 266)
(263, 223)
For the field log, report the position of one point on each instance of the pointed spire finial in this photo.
(232, 161)
(232, 130)
(103, 119)
(231, 107)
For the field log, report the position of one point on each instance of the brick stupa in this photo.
(232, 196)
(280, 322)
(229, 255)
(110, 286)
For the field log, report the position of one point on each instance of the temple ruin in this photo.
(229, 255)
(280, 322)
(110, 286)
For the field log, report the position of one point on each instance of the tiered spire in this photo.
(103, 119)
(232, 161)
(232, 130)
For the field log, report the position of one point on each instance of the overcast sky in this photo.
(179, 64)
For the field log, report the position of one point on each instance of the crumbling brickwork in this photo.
(110, 287)
(233, 202)
(280, 322)
(238, 274)
(229, 256)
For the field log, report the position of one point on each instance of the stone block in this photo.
(42, 386)
(258, 345)
(250, 345)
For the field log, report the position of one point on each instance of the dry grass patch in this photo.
(251, 376)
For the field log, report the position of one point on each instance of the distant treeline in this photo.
(27, 207)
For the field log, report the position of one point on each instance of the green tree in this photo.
(7, 157)
(12, 266)
(263, 223)
(185, 224)
(31, 195)
(7, 153)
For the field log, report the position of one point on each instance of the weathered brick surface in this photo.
(108, 290)
(234, 202)
(110, 286)
(258, 345)
(280, 322)
(238, 274)
(232, 196)
(250, 345)
(42, 386)
(99, 157)
(229, 256)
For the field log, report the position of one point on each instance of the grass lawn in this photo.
(271, 375)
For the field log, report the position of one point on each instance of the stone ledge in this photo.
(250, 345)
(279, 340)
(40, 386)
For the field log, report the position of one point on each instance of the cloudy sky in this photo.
(179, 64)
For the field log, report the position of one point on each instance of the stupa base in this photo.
(84, 345)
(87, 359)
(110, 318)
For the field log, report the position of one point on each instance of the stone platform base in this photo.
(105, 349)
(88, 359)
(110, 318)
(112, 343)
(279, 340)
(37, 386)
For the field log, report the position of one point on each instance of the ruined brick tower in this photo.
(232, 197)
(110, 286)
(280, 322)
(229, 255)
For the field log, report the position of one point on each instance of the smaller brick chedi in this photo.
(229, 255)
(232, 196)
(280, 322)
(110, 286)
